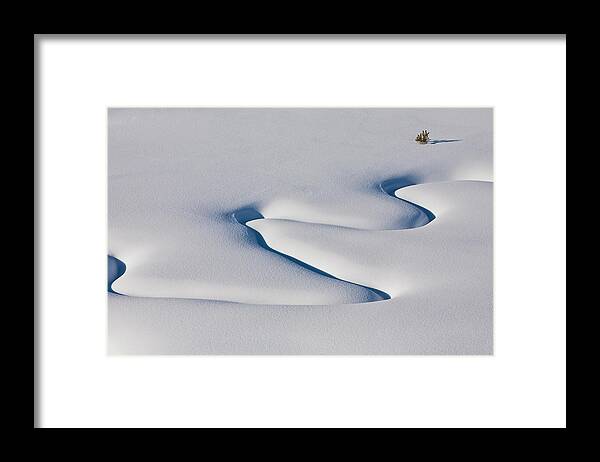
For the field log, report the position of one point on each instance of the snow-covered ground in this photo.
(300, 231)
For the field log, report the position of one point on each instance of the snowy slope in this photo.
(300, 231)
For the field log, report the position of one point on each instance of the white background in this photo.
(523, 384)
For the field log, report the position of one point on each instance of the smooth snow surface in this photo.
(300, 231)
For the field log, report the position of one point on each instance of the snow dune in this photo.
(270, 231)
(401, 260)
(245, 215)
(413, 216)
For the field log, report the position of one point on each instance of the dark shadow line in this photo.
(442, 141)
(391, 185)
(249, 214)
(116, 269)
(428, 213)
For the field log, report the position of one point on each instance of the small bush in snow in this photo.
(423, 137)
